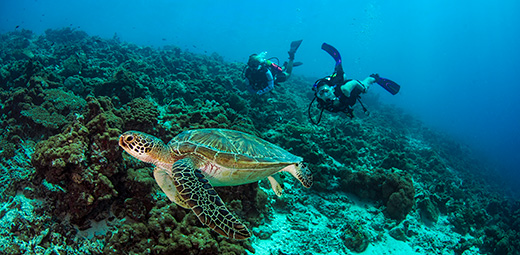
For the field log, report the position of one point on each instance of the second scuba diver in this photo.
(336, 93)
(261, 73)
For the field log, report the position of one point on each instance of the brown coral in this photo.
(80, 161)
(393, 188)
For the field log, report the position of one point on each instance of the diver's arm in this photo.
(249, 87)
(361, 85)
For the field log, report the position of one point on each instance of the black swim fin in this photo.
(294, 47)
(387, 84)
(332, 52)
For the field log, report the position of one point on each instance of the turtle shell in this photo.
(230, 148)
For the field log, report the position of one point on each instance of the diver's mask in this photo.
(255, 61)
(324, 90)
(321, 82)
(326, 93)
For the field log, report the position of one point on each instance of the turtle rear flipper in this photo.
(200, 196)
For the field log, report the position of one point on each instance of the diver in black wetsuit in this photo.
(340, 95)
(261, 74)
(336, 93)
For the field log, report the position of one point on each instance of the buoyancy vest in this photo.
(257, 78)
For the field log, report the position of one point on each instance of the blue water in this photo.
(456, 60)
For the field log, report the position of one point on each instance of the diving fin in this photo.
(387, 84)
(294, 47)
(332, 52)
(295, 64)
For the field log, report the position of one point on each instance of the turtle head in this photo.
(142, 146)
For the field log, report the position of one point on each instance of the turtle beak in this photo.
(125, 140)
(122, 141)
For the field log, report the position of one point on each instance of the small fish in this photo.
(17, 27)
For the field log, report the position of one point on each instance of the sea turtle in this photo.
(194, 161)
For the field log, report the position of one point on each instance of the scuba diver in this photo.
(336, 93)
(261, 74)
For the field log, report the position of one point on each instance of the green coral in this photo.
(354, 237)
(394, 188)
(395, 159)
(169, 230)
(429, 211)
(204, 114)
(141, 114)
(81, 160)
(64, 160)
(51, 109)
(398, 193)
(72, 65)
(91, 179)
(54, 155)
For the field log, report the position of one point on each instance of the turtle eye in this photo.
(129, 138)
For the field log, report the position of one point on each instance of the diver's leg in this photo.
(288, 69)
(348, 87)
(367, 82)
(294, 47)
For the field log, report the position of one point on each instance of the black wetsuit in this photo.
(342, 102)
(257, 78)
(264, 79)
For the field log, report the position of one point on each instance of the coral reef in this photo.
(65, 97)
(393, 188)
(80, 161)
(170, 230)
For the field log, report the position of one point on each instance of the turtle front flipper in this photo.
(275, 185)
(200, 196)
(164, 179)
